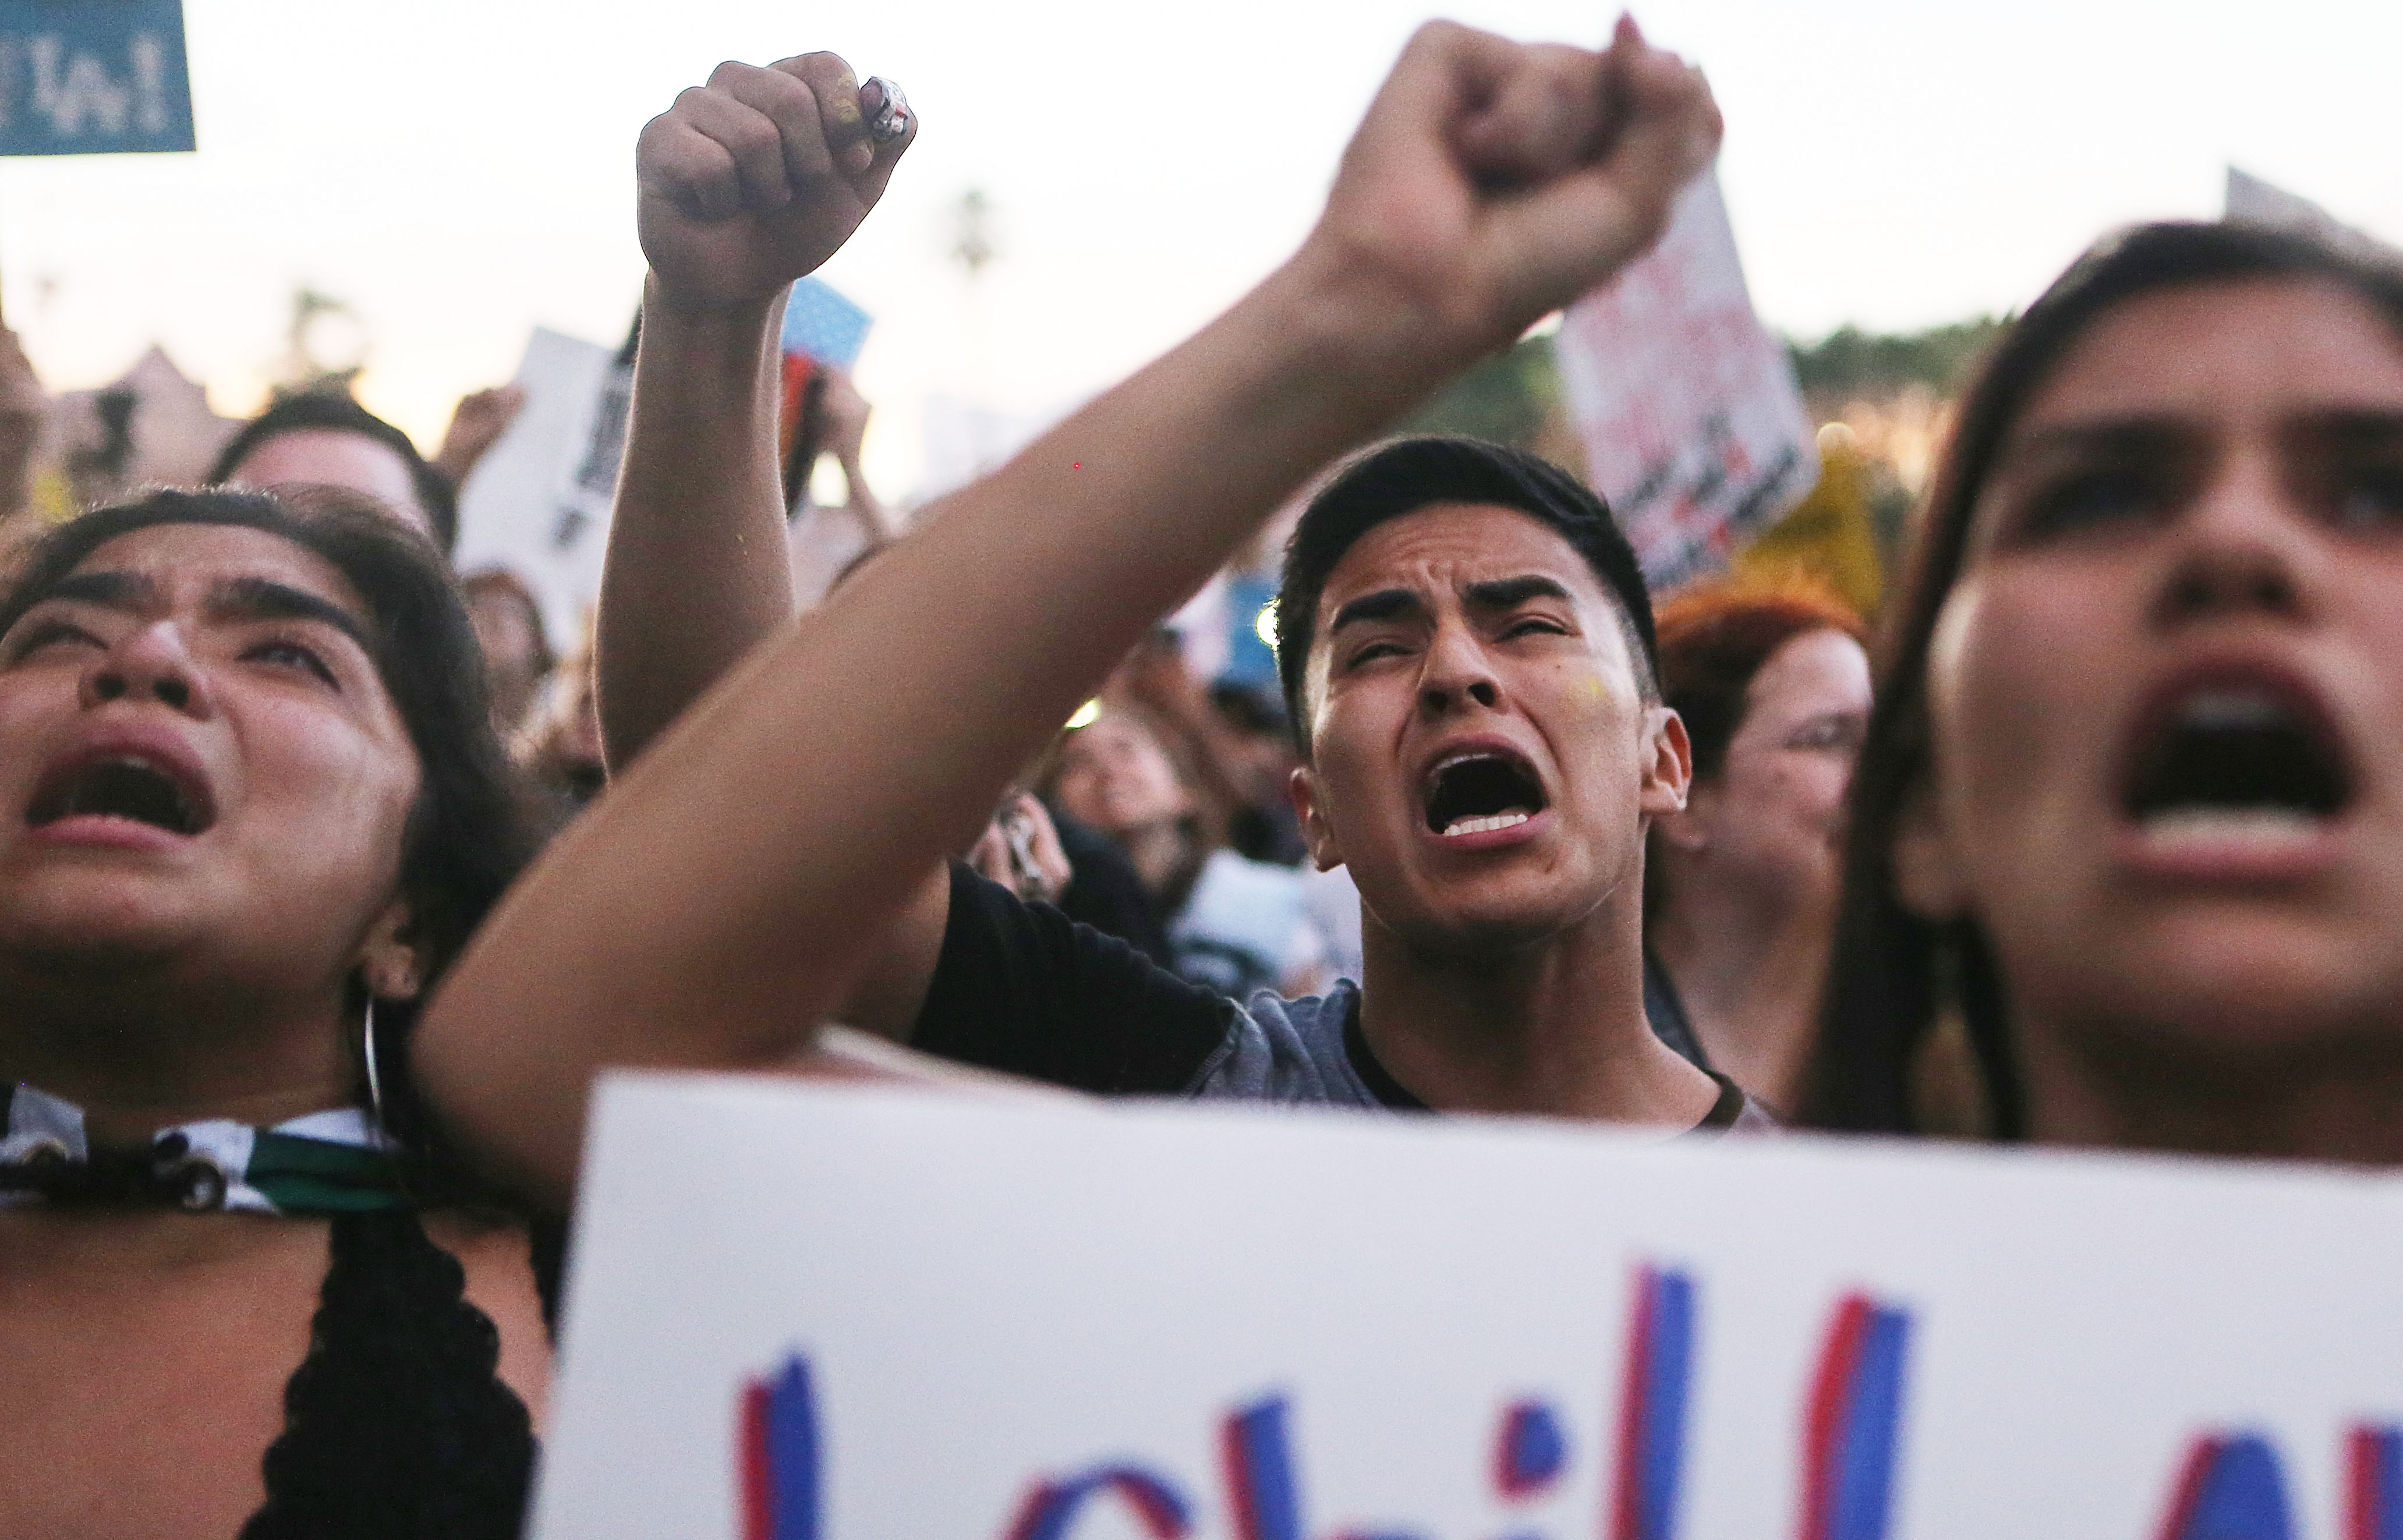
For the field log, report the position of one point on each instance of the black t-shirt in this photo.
(1021, 989)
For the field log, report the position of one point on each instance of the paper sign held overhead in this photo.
(803, 1314)
(822, 325)
(2252, 200)
(94, 77)
(1694, 431)
(539, 502)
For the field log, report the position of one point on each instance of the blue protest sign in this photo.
(94, 77)
(820, 323)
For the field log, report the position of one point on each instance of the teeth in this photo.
(2231, 711)
(1468, 758)
(1483, 826)
(2227, 825)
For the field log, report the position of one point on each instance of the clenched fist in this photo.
(758, 177)
(1493, 182)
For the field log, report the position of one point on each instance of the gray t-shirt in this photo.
(1021, 988)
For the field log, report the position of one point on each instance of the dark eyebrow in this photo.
(1508, 593)
(2356, 427)
(117, 590)
(2119, 435)
(1384, 604)
(264, 598)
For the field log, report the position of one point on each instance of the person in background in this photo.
(1233, 742)
(1234, 926)
(1773, 686)
(560, 745)
(2131, 798)
(22, 408)
(1264, 828)
(477, 424)
(322, 438)
(826, 540)
(518, 658)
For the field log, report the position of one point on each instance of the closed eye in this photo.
(2371, 498)
(1841, 732)
(2094, 498)
(44, 633)
(1534, 625)
(282, 652)
(1372, 651)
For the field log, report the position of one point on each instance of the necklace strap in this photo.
(325, 1163)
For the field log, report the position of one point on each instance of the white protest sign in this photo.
(538, 502)
(803, 1314)
(1694, 431)
(2252, 200)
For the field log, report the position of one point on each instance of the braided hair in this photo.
(396, 1424)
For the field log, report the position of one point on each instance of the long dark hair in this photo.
(468, 834)
(395, 1424)
(1892, 970)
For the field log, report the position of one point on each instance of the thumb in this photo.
(869, 184)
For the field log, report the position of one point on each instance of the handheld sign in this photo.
(538, 503)
(802, 1313)
(1695, 432)
(94, 77)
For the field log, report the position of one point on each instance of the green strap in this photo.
(301, 1175)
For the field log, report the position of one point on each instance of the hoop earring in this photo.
(375, 1080)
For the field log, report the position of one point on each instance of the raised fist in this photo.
(477, 424)
(758, 177)
(1493, 182)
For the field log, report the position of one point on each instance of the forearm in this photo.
(697, 572)
(733, 884)
(717, 904)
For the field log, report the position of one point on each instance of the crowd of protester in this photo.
(329, 879)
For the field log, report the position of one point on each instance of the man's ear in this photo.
(1668, 763)
(1690, 829)
(1926, 874)
(1302, 786)
(388, 959)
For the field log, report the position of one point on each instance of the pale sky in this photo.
(460, 172)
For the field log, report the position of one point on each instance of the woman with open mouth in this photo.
(251, 806)
(2128, 799)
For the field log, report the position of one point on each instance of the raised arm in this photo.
(746, 184)
(728, 889)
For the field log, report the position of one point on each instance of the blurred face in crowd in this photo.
(1482, 758)
(1772, 817)
(329, 457)
(1115, 777)
(504, 630)
(199, 765)
(2166, 692)
(507, 632)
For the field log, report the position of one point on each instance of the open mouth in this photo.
(2228, 754)
(127, 786)
(1480, 791)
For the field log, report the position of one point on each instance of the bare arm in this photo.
(477, 424)
(746, 184)
(734, 884)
